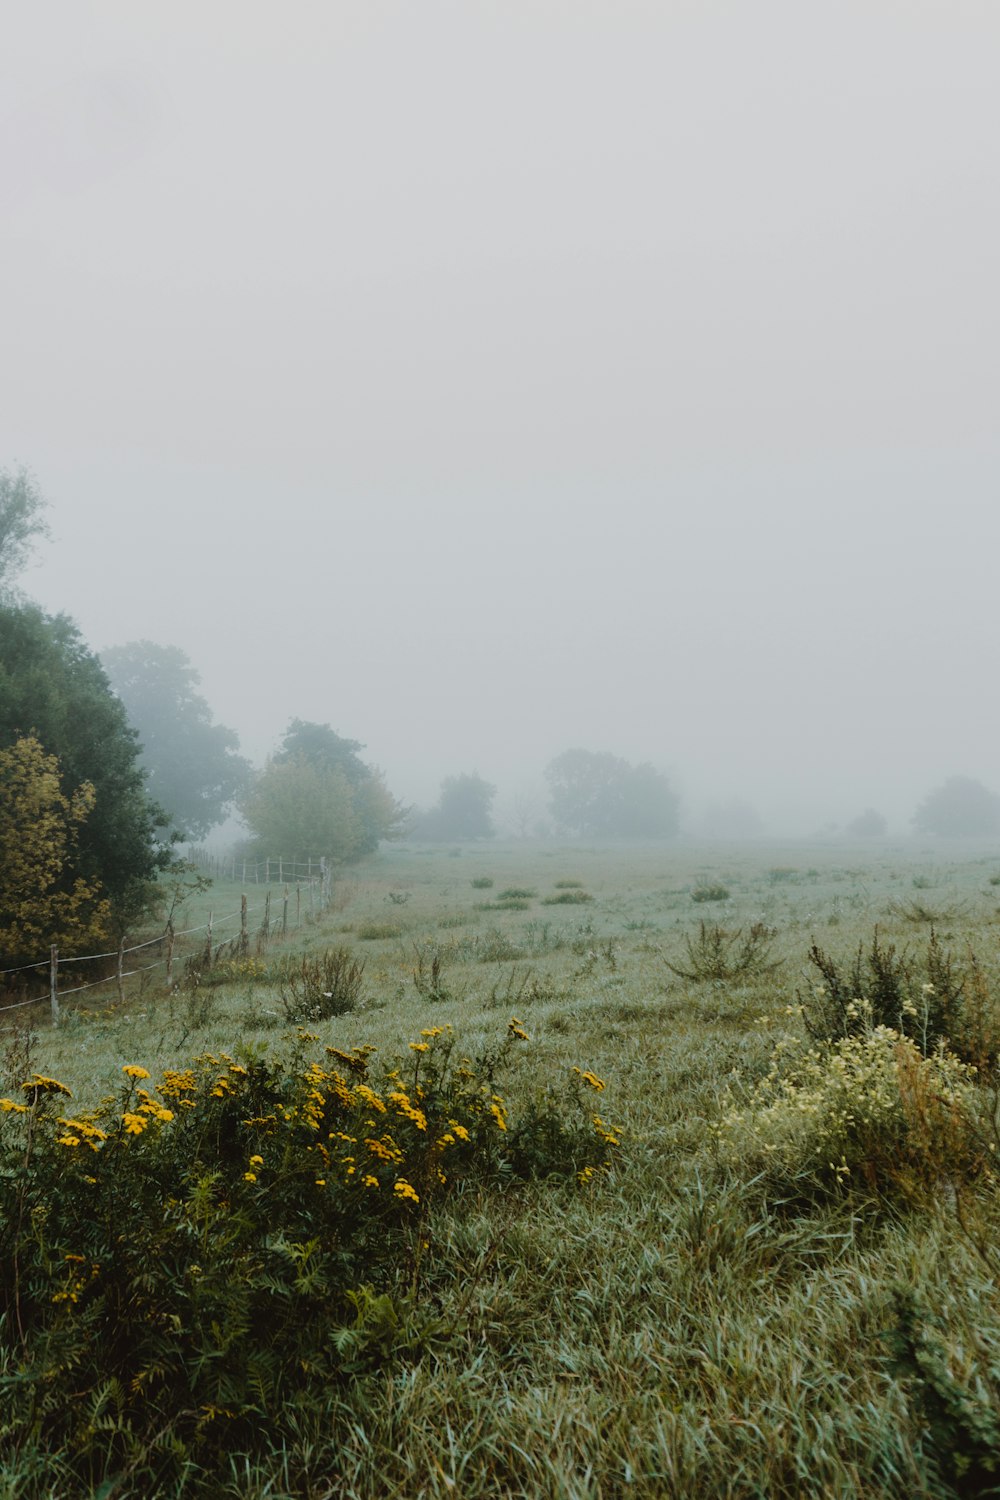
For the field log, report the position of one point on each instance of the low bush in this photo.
(870, 1111)
(572, 897)
(482, 883)
(710, 891)
(719, 953)
(314, 988)
(181, 1267)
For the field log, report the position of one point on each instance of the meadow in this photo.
(702, 1202)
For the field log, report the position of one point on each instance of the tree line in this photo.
(107, 763)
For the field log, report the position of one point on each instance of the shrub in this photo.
(482, 883)
(569, 885)
(572, 897)
(185, 1265)
(710, 891)
(316, 988)
(376, 932)
(517, 893)
(722, 954)
(869, 1110)
(882, 987)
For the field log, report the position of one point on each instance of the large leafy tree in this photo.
(960, 808)
(192, 764)
(463, 811)
(54, 689)
(41, 900)
(316, 796)
(598, 795)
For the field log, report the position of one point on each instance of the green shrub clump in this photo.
(183, 1265)
(314, 988)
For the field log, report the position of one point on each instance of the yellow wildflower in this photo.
(403, 1189)
(132, 1071)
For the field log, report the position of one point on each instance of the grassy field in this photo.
(785, 1284)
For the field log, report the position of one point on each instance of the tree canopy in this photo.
(597, 795)
(960, 808)
(21, 520)
(41, 900)
(463, 810)
(192, 765)
(53, 689)
(316, 796)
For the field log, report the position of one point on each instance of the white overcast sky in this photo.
(486, 379)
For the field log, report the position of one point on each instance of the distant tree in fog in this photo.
(463, 810)
(960, 808)
(21, 520)
(315, 796)
(597, 795)
(192, 765)
(868, 825)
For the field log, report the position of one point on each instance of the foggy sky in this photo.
(487, 378)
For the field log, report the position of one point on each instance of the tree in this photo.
(868, 825)
(21, 520)
(53, 689)
(192, 766)
(41, 900)
(597, 795)
(960, 808)
(315, 796)
(463, 811)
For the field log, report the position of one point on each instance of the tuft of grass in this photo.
(377, 932)
(720, 953)
(482, 883)
(710, 890)
(572, 897)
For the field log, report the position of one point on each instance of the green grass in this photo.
(676, 1327)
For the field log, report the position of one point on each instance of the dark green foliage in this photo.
(517, 893)
(53, 686)
(883, 987)
(376, 814)
(598, 795)
(482, 883)
(568, 898)
(962, 1421)
(185, 1272)
(191, 764)
(722, 954)
(317, 986)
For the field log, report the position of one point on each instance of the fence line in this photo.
(317, 878)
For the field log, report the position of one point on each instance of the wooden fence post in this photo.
(243, 926)
(208, 942)
(121, 970)
(298, 904)
(284, 914)
(170, 955)
(54, 983)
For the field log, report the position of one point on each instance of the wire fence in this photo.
(314, 876)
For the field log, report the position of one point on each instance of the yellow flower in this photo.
(42, 1085)
(256, 1161)
(321, 1182)
(369, 1181)
(591, 1078)
(134, 1124)
(249, 1176)
(131, 1071)
(8, 1107)
(403, 1189)
(419, 1046)
(67, 1140)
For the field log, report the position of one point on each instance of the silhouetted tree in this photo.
(960, 808)
(868, 825)
(598, 795)
(21, 520)
(463, 811)
(192, 765)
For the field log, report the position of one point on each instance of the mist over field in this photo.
(491, 380)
